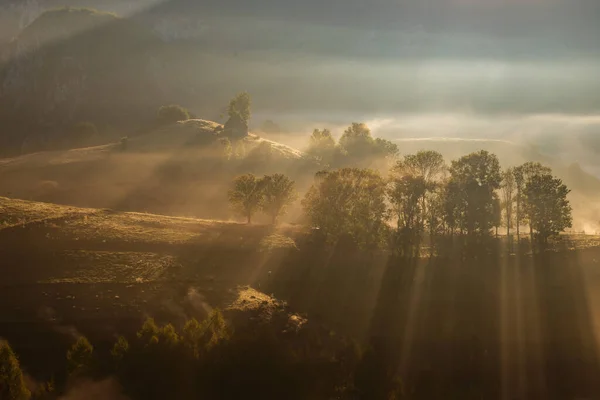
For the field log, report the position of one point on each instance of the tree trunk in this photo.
(249, 216)
(518, 213)
(496, 231)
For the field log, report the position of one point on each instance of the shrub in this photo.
(172, 113)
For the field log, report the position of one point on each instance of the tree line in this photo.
(209, 359)
(421, 195)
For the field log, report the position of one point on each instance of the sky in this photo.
(496, 68)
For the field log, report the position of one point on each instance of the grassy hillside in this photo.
(177, 169)
(67, 271)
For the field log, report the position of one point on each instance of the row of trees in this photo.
(422, 194)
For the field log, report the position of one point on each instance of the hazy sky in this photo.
(493, 67)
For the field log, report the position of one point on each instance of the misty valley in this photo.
(219, 200)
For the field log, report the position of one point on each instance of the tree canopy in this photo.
(246, 195)
(348, 202)
(12, 384)
(547, 207)
(239, 106)
(171, 113)
(278, 194)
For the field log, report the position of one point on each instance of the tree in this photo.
(12, 384)
(148, 334)
(247, 195)
(384, 148)
(405, 195)
(428, 164)
(496, 214)
(240, 106)
(476, 176)
(200, 337)
(348, 202)
(508, 197)
(321, 145)
(547, 207)
(171, 114)
(119, 350)
(429, 167)
(523, 174)
(358, 144)
(356, 138)
(79, 356)
(278, 194)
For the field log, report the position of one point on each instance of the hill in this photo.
(68, 271)
(179, 169)
(67, 65)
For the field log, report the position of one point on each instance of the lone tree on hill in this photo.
(546, 206)
(279, 193)
(238, 110)
(247, 195)
(12, 385)
(240, 106)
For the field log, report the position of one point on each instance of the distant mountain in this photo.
(73, 65)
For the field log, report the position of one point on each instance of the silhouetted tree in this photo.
(477, 177)
(12, 384)
(79, 356)
(247, 195)
(278, 194)
(348, 201)
(428, 166)
(405, 195)
(508, 197)
(240, 106)
(523, 174)
(496, 214)
(546, 206)
(171, 113)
